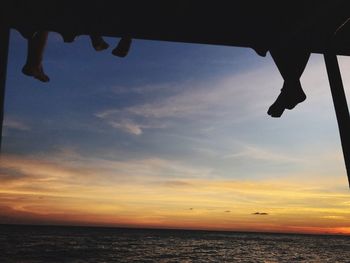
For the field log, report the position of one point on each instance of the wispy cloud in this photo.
(233, 97)
(198, 101)
(13, 123)
(160, 192)
(69, 167)
(258, 153)
(11, 174)
(178, 183)
(144, 89)
(127, 126)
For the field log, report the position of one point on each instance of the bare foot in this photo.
(122, 48)
(99, 44)
(68, 38)
(277, 108)
(36, 72)
(287, 99)
(260, 51)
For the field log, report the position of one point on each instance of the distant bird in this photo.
(260, 213)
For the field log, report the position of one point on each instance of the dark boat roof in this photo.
(257, 24)
(313, 25)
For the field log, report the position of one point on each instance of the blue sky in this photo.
(166, 99)
(172, 112)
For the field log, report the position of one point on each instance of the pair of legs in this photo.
(35, 52)
(121, 50)
(36, 47)
(291, 64)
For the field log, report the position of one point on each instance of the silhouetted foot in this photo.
(295, 96)
(36, 72)
(68, 38)
(261, 51)
(277, 108)
(99, 44)
(122, 48)
(27, 32)
(287, 99)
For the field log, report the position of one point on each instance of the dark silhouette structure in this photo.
(35, 52)
(291, 66)
(36, 47)
(290, 30)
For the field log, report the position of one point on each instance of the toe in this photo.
(275, 111)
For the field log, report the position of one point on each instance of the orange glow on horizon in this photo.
(48, 192)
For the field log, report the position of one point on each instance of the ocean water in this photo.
(89, 244)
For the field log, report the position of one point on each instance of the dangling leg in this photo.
(261, 51)
(98, 43)
(291, 65)
(35, 53)
(123, 47)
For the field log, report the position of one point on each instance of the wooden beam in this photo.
(340, 105)
(257, 24)
(4, 46)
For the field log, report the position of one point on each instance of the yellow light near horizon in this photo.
(188, 203)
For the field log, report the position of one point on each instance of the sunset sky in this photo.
(172, 136)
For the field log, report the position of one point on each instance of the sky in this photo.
(173, 136)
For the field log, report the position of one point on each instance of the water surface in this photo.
(91, 244)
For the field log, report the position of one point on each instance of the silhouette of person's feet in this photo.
(260, 51)
(68, 37)
(36, 72)
(288, 99)
(98, 43)
(122, 48)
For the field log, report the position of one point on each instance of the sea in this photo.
(22, 244)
